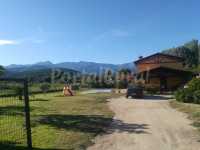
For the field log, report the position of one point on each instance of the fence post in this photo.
(27, 114)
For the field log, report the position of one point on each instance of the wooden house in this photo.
(162, 71)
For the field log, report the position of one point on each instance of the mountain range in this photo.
(82, 66)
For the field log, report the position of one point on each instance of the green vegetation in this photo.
(36, 87)
(59, 122)
(190, 94)
(1, 70)
(45, 87)
(18, 90)
(107, 79)
(189, 51)
(37, 75)
(193, 111)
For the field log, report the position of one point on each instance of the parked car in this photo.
(134, 92)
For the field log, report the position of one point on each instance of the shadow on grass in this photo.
(12, 110)
(14, 146)
(82, 123)
(38, 100)
(59, 95)
(94, 124)
(91, 124)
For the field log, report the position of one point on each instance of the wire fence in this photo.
(15, 132)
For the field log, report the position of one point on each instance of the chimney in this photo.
(140, 57)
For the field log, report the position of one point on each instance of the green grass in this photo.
(57, 122)
(193, 111)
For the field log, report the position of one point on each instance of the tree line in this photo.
(190, 51)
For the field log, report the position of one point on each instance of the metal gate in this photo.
(15, 129)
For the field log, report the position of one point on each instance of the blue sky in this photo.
(107, 31)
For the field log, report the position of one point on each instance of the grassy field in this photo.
(58, 122)
(193, 111)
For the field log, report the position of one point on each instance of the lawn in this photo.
(193, 111)
(57, 122)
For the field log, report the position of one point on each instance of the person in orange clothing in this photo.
(67, 91)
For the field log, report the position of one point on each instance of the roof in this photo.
(158, 54)
(164, 67)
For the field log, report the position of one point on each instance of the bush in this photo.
(196, 97)
(180, 95)
(191, 94)
(45, 87)
(184, 95)
(75, 87)
(151, 89)
(19, 92)
(122, 84)
(194, 84)
(188, 96)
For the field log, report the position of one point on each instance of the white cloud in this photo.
(7, 42)
(36, 37)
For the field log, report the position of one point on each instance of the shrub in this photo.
(188, 96)
(194, 84)
(180, 95)
(19, 92)
(184, 95)
(191, 94)
(151, 89)
(122, 84)
(75, 87)
(45, 87)
(196, 97)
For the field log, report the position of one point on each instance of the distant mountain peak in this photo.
(14, 66)
(44, 63)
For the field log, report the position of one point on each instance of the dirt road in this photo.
(148, 124)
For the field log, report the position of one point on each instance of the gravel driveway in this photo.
(147, 124)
